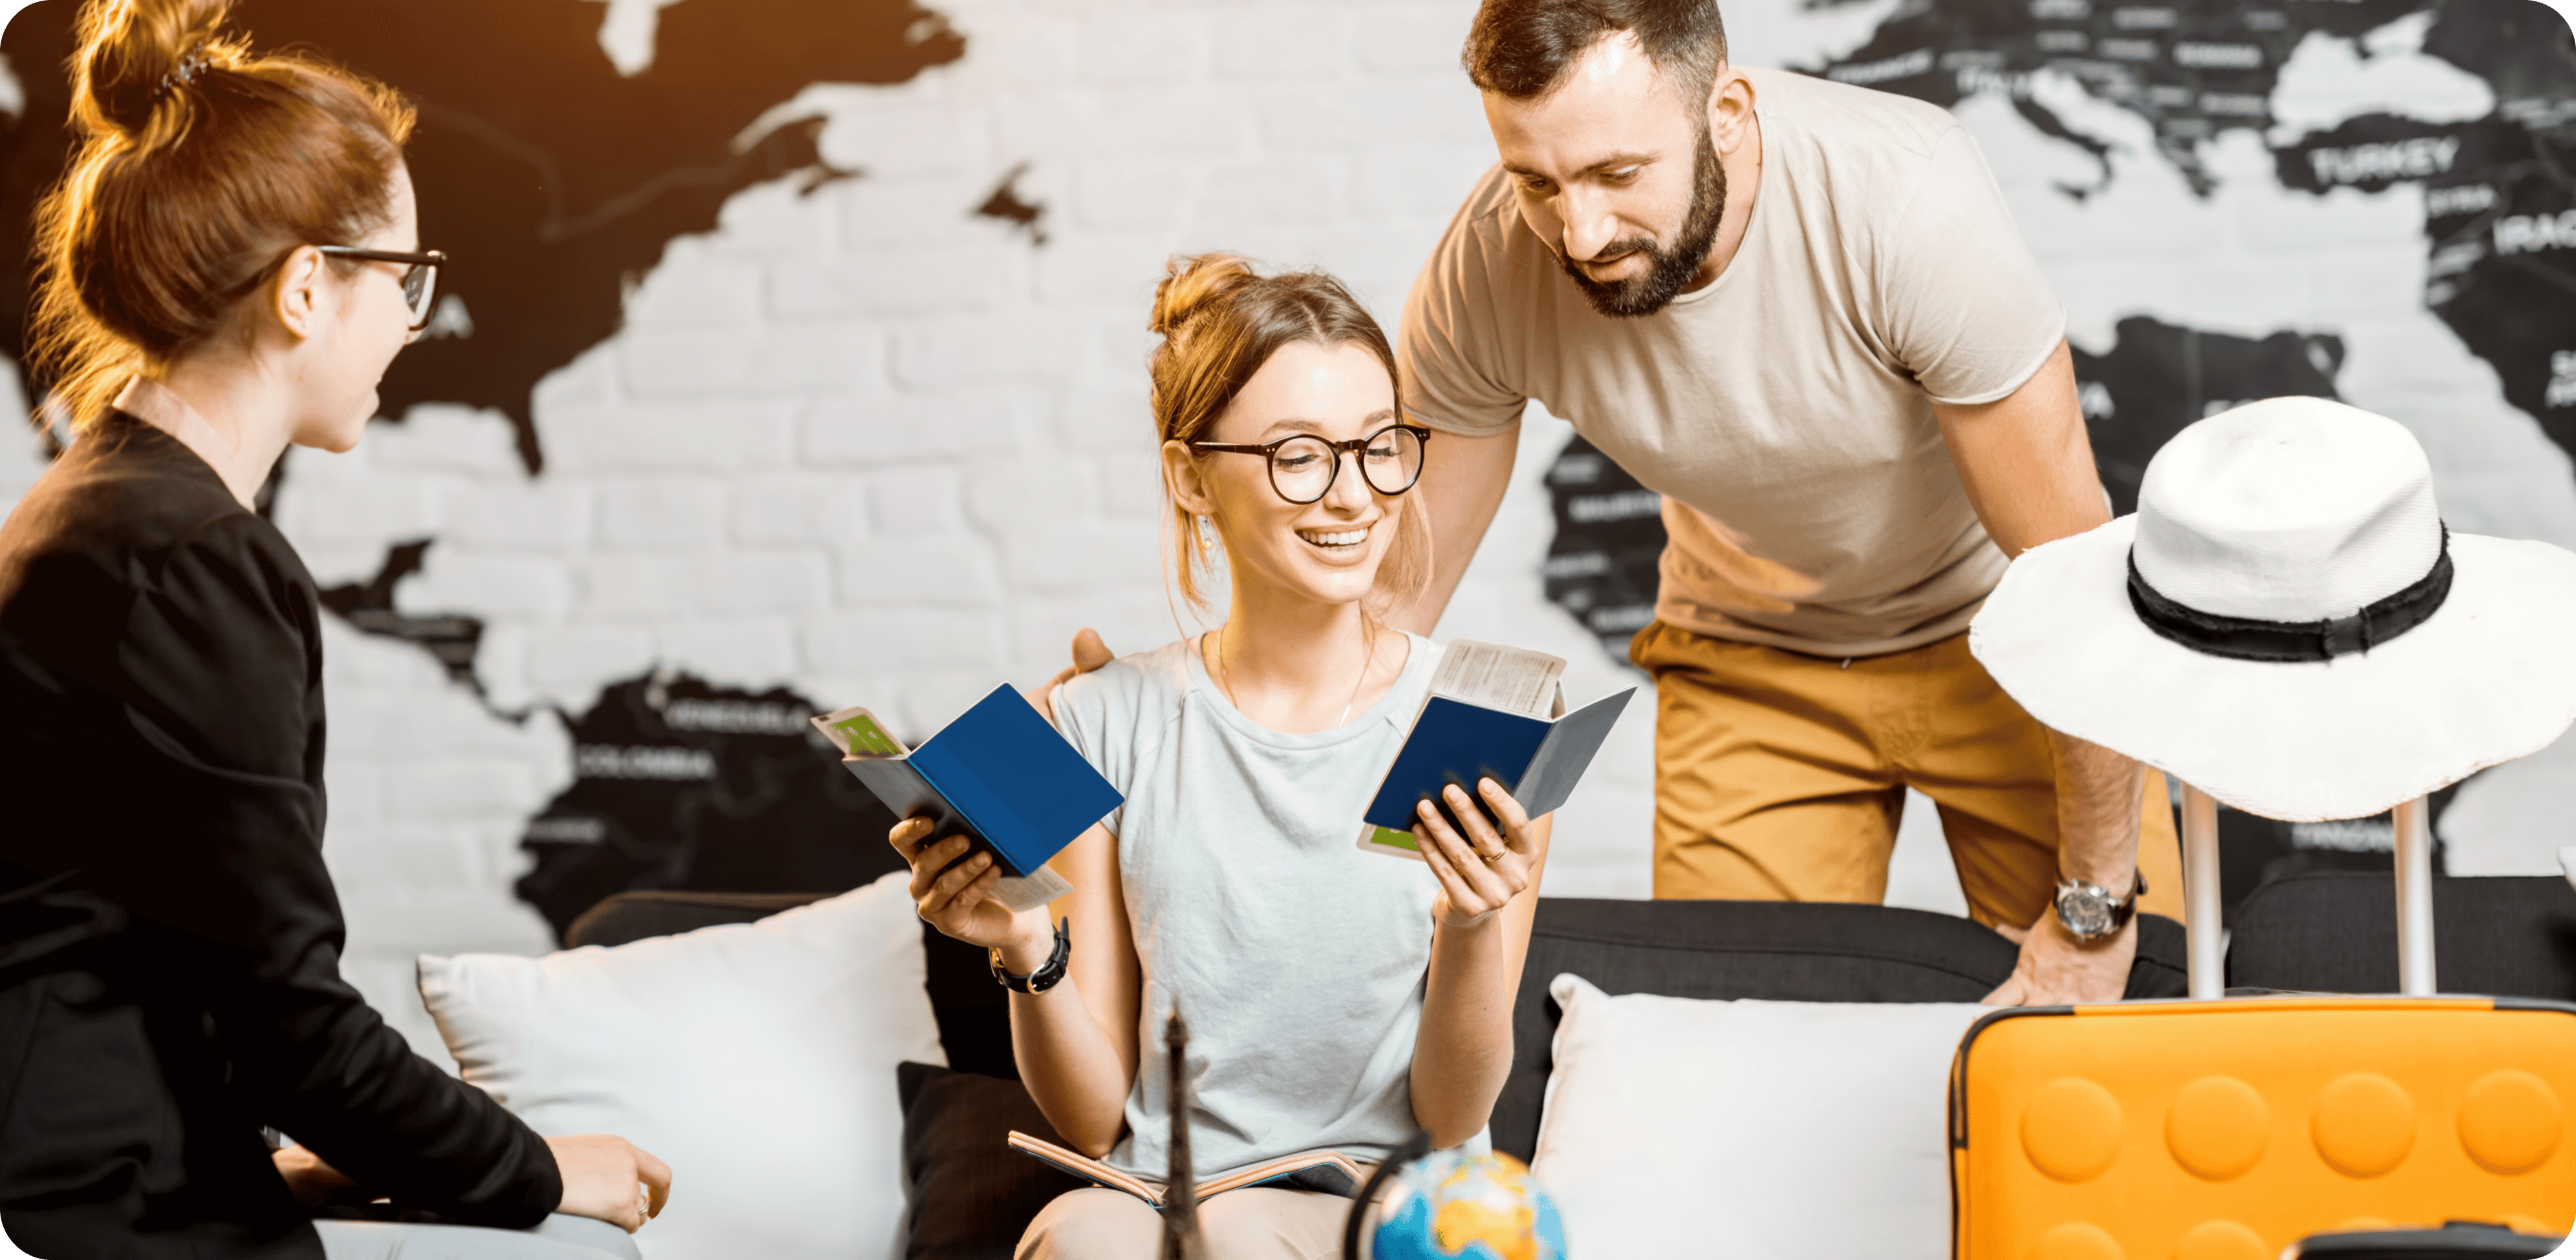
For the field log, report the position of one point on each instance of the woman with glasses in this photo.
(228, 267)
(1335, 999)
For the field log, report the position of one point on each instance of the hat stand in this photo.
(2206, 946)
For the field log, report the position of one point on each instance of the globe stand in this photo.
(1406, 1152)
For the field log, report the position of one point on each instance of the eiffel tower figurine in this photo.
(1181, 1239)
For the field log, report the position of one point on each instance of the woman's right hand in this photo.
(608, 1179)
(956, 897)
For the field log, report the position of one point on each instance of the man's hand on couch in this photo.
(607, 1178)
(2056, 969)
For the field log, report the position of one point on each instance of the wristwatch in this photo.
(1047, 975)
(2090, 912)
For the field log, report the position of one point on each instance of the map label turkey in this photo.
(2418, 158)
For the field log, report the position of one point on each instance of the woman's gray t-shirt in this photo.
(1297, 959)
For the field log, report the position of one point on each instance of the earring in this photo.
(1207, 535)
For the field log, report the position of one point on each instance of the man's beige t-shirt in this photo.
(1785, 411)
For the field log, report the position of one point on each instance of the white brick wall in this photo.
(863, 443)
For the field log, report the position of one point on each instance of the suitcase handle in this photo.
(2414, 850)
(2205, 946)
(2414, 862)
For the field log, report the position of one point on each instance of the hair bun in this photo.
(134, 53)
(1190, 285)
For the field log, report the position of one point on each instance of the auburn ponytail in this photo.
(134, 57)
(201, 166)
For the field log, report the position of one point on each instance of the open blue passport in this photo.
(998, 775)
(1482, 719)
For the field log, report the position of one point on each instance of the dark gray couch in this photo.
(1700, 949)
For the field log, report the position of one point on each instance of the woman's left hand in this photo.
(1482, 871)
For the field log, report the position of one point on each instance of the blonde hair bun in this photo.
(1191, 285)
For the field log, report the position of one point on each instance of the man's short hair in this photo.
(1521, 48)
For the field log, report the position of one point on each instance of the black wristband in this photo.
(1046, 976)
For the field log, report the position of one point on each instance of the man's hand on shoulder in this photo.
(309, 1179)
(1089, 653)
(2056, 969)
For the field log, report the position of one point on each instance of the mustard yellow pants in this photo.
(1780, 777)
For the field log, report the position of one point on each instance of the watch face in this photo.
(2085, 913)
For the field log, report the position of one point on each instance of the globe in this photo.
(1453, 1206)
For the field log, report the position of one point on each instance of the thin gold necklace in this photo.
(1368, 657)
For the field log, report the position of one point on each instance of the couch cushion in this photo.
(1791, 1130)
(2336, 932)
(758, 1060)
(1784, 951)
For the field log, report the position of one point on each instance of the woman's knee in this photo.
(1093, 1224)
(1262, 1223)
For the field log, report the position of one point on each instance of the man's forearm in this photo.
(1463, 480)
(2098, 801)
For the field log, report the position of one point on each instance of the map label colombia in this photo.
(643, 761)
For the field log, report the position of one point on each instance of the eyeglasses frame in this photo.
(1268, 451)
(432, 259)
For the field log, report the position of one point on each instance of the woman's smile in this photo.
(1344, 540)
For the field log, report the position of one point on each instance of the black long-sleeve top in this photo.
(169, 939)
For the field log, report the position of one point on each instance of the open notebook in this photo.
(1331, 1172)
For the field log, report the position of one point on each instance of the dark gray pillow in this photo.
(972, 1195)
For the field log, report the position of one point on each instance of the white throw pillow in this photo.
(1750, 1130)
(756, 1059)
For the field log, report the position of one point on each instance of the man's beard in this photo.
(1668, 271)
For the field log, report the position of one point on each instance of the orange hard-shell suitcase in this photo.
(2230, 1129)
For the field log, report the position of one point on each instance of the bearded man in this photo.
(1801, 311)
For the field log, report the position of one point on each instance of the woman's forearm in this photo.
(1071, 1065)
(1464, 1049)
(1480, 936)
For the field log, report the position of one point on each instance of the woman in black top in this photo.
(169, 937)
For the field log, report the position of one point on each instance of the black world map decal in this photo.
(556, 183)
(678, 783)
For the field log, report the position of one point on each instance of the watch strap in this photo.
(2126, 908)
(1048, 974)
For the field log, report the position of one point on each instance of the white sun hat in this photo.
(2286, 624)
